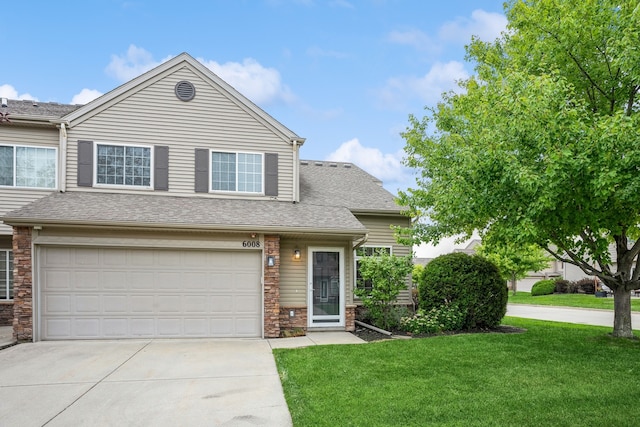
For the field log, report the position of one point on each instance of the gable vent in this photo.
(185, 91)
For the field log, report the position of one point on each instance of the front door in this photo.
(326, 287)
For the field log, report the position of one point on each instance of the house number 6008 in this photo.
(251, 244)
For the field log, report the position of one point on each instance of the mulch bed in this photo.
(369, 335)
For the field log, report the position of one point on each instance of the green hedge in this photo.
(543, 287)
(471, 283)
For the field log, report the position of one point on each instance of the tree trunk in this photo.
(514, 283)
(622, 313)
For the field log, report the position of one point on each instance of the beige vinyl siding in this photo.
(293, 273)
(14, 198)
(154, 116)
(381, 234)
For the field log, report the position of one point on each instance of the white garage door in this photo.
(88, 293)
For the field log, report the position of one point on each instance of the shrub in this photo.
(470, 283)
(543, 287)
(388, 275)
(436, 320)
(563, 286)
(586, 286)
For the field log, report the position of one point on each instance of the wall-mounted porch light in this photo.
(296, 254)
(271, 261)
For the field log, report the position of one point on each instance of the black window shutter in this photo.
(161, 168)
(85, 163)
(202, 170)
(271, 174)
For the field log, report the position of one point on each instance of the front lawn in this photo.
(569, 300)
(553, 374)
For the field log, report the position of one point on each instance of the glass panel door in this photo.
(326, 290)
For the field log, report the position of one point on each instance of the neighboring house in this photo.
(555, 269)
(173, 206)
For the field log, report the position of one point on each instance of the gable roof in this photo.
(344, 184)
(184, 59)
(202, 213)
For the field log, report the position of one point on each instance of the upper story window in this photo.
(368, 251)
(30, 167)
(127, 165)
(6, 274)
(237, 172)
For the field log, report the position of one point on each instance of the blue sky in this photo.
(344, 74)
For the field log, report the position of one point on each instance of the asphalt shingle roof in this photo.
(344, 184)
(93, 208)
(37, 109)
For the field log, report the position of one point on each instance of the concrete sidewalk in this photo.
(569, 315)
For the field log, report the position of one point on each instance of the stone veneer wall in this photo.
(350, 318)
(6, 313)
(298, 321)
(22, 285)
(272, 288)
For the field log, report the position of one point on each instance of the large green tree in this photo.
(514, 261)
(542, 145)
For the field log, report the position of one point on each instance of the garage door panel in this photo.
(86, 328)
(87, 304)
(127, 293)
(84, 280)
(113, 280)
(57, 304)
(115, 327)
(57, 328)
(86, 258)
(114, 304)
(57, 280)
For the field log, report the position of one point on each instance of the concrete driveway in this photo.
(141, 383)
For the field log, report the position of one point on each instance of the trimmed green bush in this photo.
(470, 283)
(543, 287)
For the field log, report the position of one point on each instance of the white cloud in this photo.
(415, 38)
(8, 91)
(260, 84)
(442, 77)
(133, 63)
(384, 166)
(485, 25)
(85, 96)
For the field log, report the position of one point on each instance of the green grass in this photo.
(569, 300)
(554, 374)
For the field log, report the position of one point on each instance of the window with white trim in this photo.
(363, 251)
(6, 274)
(28, 167)
(127, 165)
(237, 172)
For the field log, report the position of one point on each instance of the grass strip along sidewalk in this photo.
(553, 374)
(569, 300)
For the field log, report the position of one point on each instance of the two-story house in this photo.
(173, 206)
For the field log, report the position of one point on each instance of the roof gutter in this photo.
(182, 226)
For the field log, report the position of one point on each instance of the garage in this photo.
(97, 292)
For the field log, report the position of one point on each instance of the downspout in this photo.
(296, 172)
(361, 242)
(62, 159)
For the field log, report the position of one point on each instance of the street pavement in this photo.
(569, 315)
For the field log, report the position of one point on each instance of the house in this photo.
(555, 269)
(173, 206)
